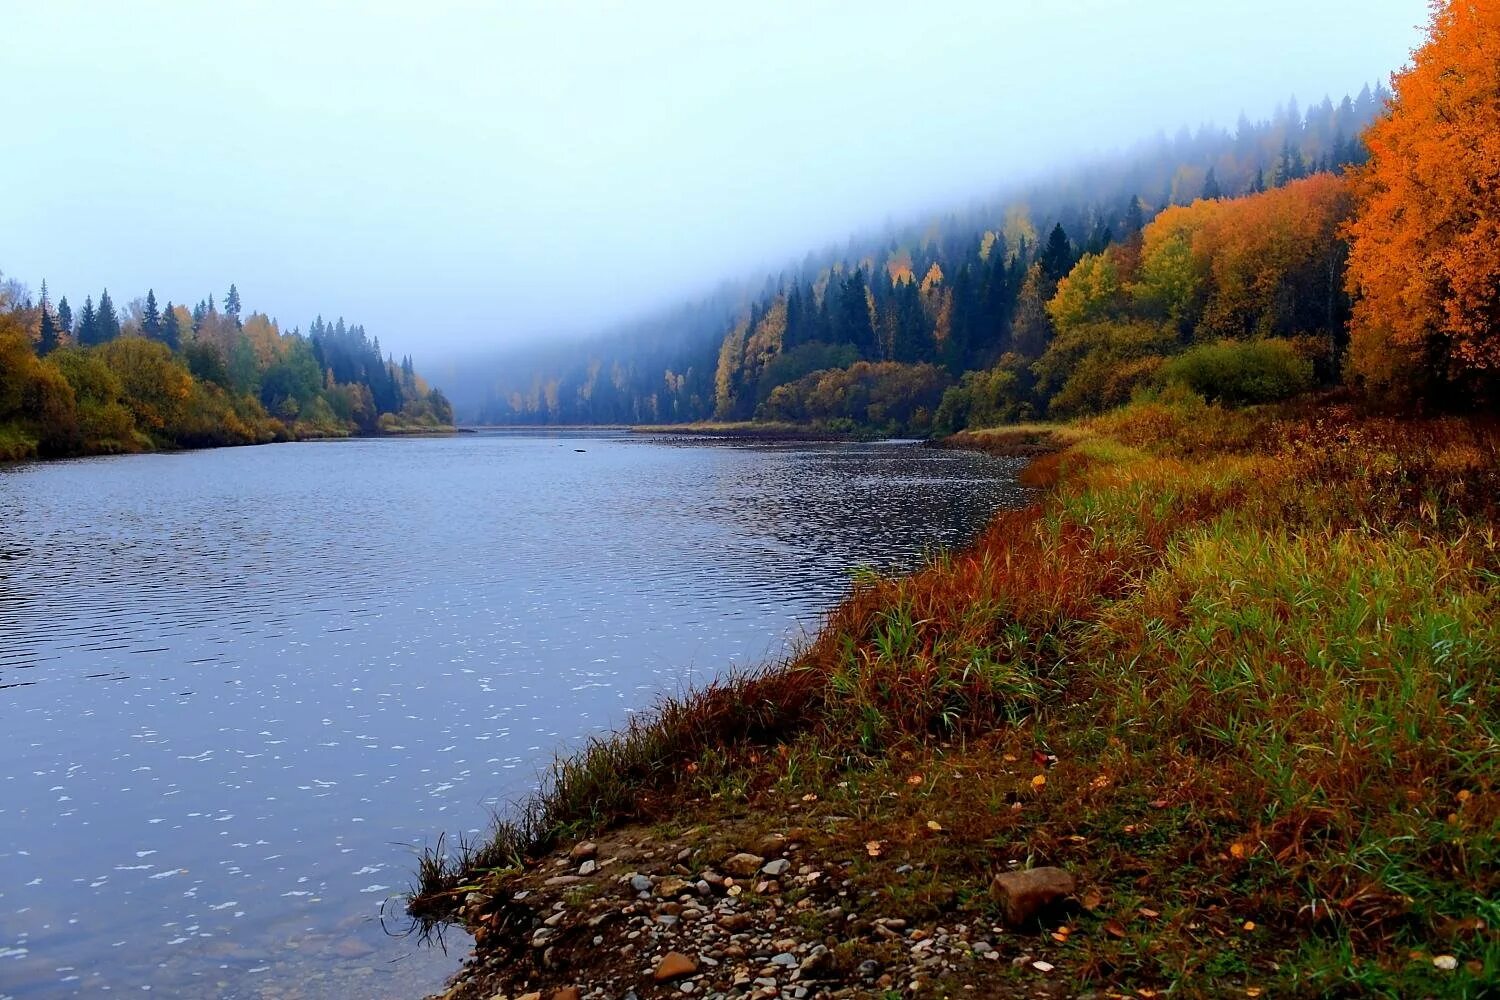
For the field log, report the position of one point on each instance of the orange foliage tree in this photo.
(1266, 265)
(1425, 240)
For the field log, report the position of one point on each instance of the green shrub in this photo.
(1242, 373)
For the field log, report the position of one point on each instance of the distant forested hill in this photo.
(101, 379)
(942, 297)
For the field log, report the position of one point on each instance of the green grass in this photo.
(1251, 657)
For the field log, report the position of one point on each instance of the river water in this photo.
(239, 687)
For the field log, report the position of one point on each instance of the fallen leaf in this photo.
(934, 826)
(1010, 758)
(1039, 781)
(915, 779)
(1159, 804)
(1445, 962)
(1253, 991)
(810, 797)
(1148, 913)
(1041, 966)
(1113, 929)
(1091, 899)
(1464, 795)
(872, 848)
(1237, 851)
(1100, 782)
(1249, 925)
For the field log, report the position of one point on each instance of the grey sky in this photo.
(454, 174)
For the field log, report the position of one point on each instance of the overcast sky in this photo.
(463, 174)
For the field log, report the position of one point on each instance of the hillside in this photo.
(955, 291)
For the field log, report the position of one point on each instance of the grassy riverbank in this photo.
(1233, 670)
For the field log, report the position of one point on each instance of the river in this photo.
(239, 687)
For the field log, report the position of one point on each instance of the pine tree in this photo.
(88, 323)
(65, 316)
(108, 322)
(1211, 189)
(853, 317)
(1135, 218)
(231, 304)
(1057, 259)
(151, 317)
(171, 327)
(49, 331)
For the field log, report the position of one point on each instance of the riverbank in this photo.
(752, 430)
(15, 447)
(1231, 676)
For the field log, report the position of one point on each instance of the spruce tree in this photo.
(88, 323)
(65, 316)
(1211, 189)
(853, 317)
(231, 304)
(151, 317)
(1057, 259)
(1135, 218)
(108, 322)
(49, 331)
(171, 327)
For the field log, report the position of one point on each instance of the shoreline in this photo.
(843, 824)
(290, 439)
(750, 431)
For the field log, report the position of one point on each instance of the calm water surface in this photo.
(236, 686)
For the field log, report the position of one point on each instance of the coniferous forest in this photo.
(103, 378)
(1052, 300)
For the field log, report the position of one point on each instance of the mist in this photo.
(460, 178)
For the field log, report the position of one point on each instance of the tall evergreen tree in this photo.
(231, 304)
(853, 318)
(151, 317)
(171, 327)
(88, 324)
(1135, 218)
(1057, 258)
(912, 341)
(49, 338)
(1211, 189)
(108, 322)
(65, 316)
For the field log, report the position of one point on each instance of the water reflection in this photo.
(232, 683)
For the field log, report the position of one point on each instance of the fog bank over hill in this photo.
(463, 178)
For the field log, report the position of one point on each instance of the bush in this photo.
(998, 395)
(1242, 373)
(891, 397)
(1095, 367)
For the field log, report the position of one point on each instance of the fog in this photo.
(466, 175)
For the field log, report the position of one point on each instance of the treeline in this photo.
(958, 293)
(152, 375)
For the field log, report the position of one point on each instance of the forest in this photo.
(106, 380)
(1054, 300)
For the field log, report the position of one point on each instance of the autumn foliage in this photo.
(1425, 243)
